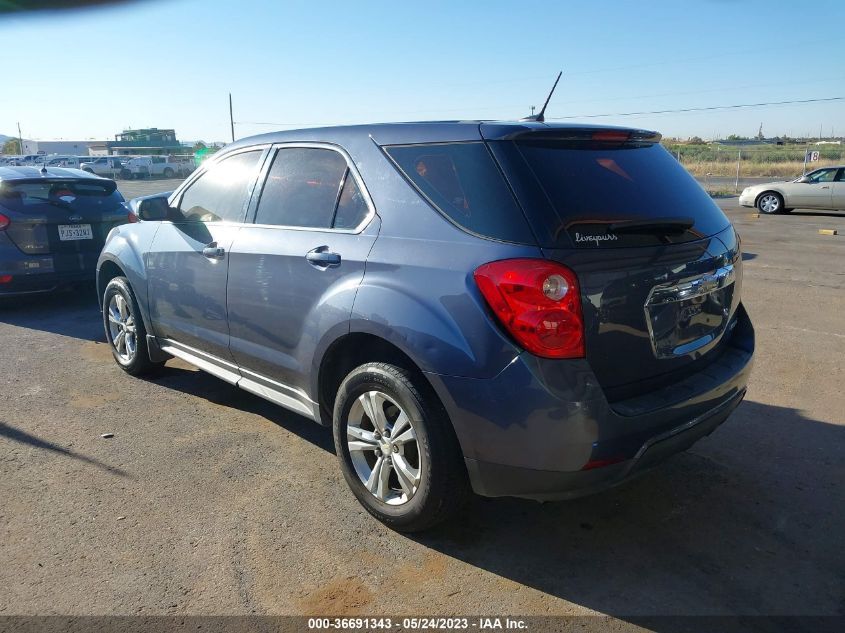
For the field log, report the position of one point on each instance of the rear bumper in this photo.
(544, 429)
(43, 282)
(497, 480)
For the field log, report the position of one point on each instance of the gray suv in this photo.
(516, 309)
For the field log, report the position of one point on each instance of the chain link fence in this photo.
(729, 168)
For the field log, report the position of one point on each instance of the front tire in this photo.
(125, 331)
(396, 447)
(168, 173)
(770, 203)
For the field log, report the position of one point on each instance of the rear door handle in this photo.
(322, 257)
(212, 251)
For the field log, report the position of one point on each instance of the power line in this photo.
(723, 107)
(594, 116)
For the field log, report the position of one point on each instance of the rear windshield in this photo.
(77, 195)
(463, 182)
(593, 184)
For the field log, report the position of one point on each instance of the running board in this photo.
(295, 400)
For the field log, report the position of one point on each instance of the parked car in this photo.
(820, 189)
(52, 226)
(157, 166)
(30, 159)
(109, 166)
(510, 308)
(66, 161)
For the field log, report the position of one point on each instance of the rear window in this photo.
(594, 184)
(462, 181)
(76, 195)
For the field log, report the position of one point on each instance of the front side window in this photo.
(303, 189)
(822, 175)
(221, 193)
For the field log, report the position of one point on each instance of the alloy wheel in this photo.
(382, 443)
(122, 330)
(770, 203)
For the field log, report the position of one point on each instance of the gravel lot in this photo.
(208, 500)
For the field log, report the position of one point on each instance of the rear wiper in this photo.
(56, 203)
(654, 226)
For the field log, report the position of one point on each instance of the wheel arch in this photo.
(108, 270)
(121, 258)
(348, 352)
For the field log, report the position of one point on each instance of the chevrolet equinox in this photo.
(515, 309)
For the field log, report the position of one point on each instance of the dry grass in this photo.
(748, 169)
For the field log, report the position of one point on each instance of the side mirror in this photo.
(803, 179)
(152, 208)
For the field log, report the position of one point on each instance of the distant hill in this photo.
(4, 138)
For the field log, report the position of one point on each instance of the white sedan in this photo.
(820, 189)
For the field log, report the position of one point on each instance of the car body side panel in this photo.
(838, 189)
(418, 292)
(281, 306)
(809, 195)
(187, 290)
(127, 246)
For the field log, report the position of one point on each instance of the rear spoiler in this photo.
(108, 185)
(594, 134)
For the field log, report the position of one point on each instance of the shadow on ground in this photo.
(22, 437)
(205, 386)
(747, 522)
(72, 312)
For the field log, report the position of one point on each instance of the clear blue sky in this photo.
(171, 63)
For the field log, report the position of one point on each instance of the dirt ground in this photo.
(208, 500)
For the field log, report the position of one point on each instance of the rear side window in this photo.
(313, 188)
(593, 184)
(220, 194)
(351, 206)
(464, 183)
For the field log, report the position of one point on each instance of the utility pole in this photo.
(738, 161)
(20, 139)
(532, 110)
(231, 120)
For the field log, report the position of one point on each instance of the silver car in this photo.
(820, 189)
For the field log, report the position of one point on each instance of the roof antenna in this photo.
(539, 116)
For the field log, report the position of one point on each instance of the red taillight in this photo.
(615, 136)
(4, 279)
(4, 222)
(601, 463)
(131, 218)
(538, 302)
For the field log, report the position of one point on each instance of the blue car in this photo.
(53, 224)
(515, 309)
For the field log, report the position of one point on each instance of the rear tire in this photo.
(413, 476)
(770, 203)
(168, 173)
(125, 331)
